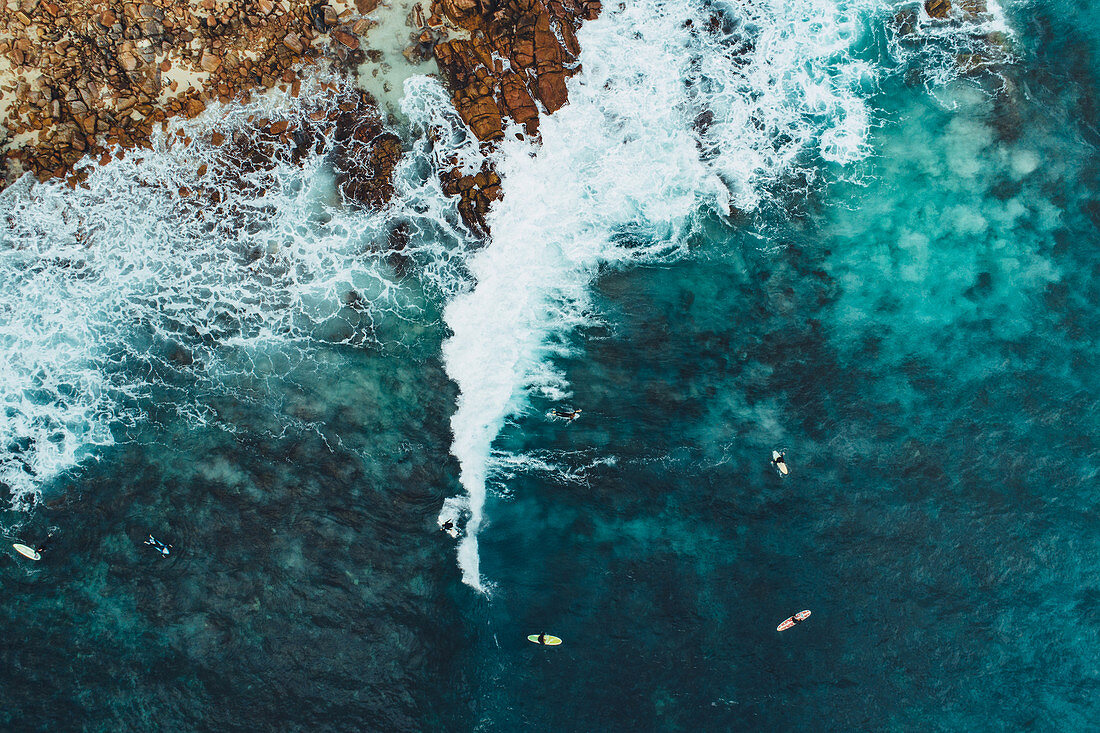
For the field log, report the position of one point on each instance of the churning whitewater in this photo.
(123, 294)
(681, 110)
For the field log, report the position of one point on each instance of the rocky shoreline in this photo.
(95, 77)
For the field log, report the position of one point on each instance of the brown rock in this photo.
(217, 139)
(460, 11)
(194, 107)
(483, 117)
(346, 39)
(552, 90)
(128, 61)
(937, 8)
(279, 127)
(518, 102)
(293, 42)
(210, 62)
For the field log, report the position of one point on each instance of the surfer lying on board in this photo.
(569, 415)
(780, 464)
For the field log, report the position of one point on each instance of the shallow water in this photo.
(915, 326)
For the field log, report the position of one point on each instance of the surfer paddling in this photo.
(569, 415)
(793, 620)
(779, 463)
(34, 553)
(544, 639)
(450, 528)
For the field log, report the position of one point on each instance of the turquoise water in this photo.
(915, 327)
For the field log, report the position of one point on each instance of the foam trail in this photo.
(679, 109)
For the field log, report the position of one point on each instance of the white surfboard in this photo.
(26, 551)
(781, 465)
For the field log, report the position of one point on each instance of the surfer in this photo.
(450, 528)
(542, 638)
(44, 544)
(159, 546)
(780, 464)
(569, 415)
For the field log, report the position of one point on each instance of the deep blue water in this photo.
(916, 330)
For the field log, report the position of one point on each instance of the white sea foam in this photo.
(680, 108)
(123, 290)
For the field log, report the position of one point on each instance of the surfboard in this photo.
(781, 466)
(26, 551)
(800, 616)
(550, 640)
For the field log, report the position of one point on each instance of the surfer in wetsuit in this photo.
(542, 638)
(779, 462)
(447, 526)
(569, 415)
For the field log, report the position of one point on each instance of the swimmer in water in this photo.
(44, 544)
(159, 546)
(569, 415)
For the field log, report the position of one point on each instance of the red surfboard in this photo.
(800, 616)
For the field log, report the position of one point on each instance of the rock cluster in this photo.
(994, 50)
(518, 56)
(86, 75)
(343, 119)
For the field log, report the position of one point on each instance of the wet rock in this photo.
(210, 62)
(317, 15)
(346, 39)
(293, 42)
(937, 8)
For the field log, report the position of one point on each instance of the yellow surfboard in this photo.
(547, 639)
(26, 551)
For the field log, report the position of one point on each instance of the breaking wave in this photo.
(185, 269)
(682, 110)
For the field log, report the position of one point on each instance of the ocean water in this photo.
(784, 225)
